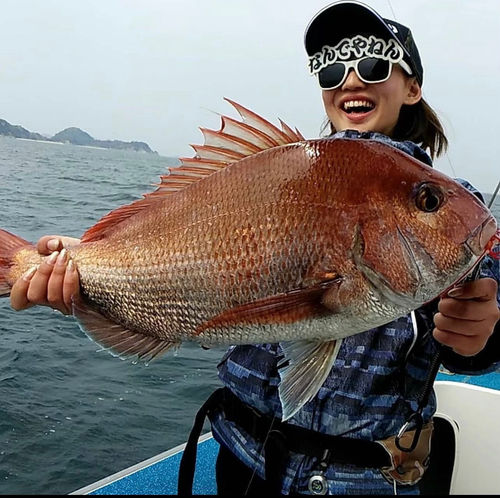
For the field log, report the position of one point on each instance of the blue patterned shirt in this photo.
(374, 385)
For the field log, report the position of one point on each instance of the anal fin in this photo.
(305, 367)
(115, 338)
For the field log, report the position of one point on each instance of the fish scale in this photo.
(264, 236)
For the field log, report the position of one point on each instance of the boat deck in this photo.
(158, 475)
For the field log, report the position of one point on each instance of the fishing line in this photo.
(446, 152)
(261, 454)
(274, 417)
(392, 10)
(451, 165)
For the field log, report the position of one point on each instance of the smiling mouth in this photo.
(357, 106)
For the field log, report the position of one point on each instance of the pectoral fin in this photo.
(305, 366)
(289, 307)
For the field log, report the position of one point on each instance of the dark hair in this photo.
(418, 123)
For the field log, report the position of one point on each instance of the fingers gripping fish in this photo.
(264, 236)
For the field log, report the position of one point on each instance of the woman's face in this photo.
(370, 107)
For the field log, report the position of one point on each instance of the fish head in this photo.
(418, 230)
(443, 227)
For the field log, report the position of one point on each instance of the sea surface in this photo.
(70, 415)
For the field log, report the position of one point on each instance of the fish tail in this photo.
(10, 244)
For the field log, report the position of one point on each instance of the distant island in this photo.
(74, 136)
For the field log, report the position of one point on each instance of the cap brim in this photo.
(343, 19)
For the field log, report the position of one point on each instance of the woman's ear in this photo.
(414, 94)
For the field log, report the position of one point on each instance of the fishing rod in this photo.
(415, 419)
(492, 200)
(474, 275)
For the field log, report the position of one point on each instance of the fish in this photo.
(264, 236)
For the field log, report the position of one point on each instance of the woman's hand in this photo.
(467, 316)
(53, 282)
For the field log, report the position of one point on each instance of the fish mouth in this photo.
(478, 240)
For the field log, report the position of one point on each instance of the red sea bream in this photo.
(264, 236)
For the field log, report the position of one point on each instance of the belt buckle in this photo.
(318, 485)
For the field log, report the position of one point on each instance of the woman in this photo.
(371, 77)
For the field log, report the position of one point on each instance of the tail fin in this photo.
(9, 245)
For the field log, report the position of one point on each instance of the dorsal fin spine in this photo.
(220, 149)
(209, 152)
(221, 139)
(265, 140)
(260, 123)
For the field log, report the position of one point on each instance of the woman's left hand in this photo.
(467, 316)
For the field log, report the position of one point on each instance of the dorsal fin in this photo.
(259, 123)
(215, 153)
(232, 142)
(296, 136)
(237, 128)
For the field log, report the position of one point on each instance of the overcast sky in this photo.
(151, 70)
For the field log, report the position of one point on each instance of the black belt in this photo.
(279, 438)
(342, 450)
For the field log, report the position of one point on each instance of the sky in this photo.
(157, 70)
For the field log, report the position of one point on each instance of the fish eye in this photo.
(429, 198)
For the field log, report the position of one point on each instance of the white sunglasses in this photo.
(368, 69)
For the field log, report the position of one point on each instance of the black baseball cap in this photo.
(343, 19)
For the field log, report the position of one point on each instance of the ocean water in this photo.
(70, 415)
